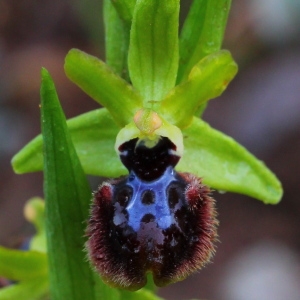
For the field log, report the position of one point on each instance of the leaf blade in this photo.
(67, 196)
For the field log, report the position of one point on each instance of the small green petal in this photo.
(153, 50)
(202, 33)
(95, 78)
(93, 134)
(22, 265)
(225, 165)
(35, 289)
(207, 80)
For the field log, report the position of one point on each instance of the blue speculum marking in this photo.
(151, 171)
(159, 208)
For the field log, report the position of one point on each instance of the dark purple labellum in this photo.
(148, 163)
(159, 221)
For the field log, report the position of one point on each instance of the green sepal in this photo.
(207, 80)
(208, 153)
(95, 78)
(94, 136)
(153, 49)
(116, 40)
(67, 195)
(202, 33)
(22, 265)
(36, 289)
(225, 165)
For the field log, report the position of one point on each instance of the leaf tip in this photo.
(276, 193)
(46, 78)
(17, 162)
(45, 75)
(70, 55)
(14, 164)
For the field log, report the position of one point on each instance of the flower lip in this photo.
(148, 163)
(171, 236)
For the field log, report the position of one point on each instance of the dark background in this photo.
(258, 254)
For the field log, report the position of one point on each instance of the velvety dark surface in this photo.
(154, 219)
(148, 163)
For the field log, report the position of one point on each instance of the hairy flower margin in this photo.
(143, 48)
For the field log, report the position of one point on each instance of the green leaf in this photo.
(153, 50)
(225, 165)
(125, 9)
(67, 196)
(95, 78)
(116, 40)
(22, 265)
(207, 80)
(35, 289)
(93, 134)
(202, 33)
